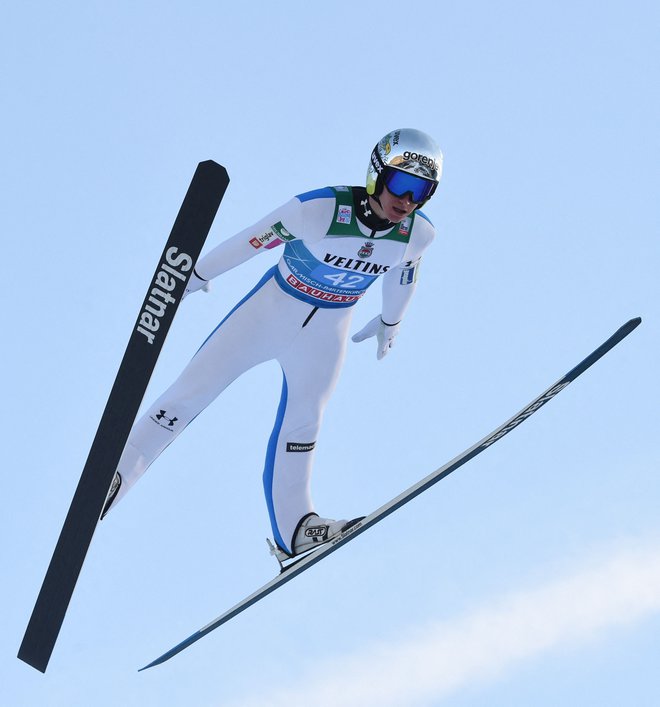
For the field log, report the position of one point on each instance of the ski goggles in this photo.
(401, 183)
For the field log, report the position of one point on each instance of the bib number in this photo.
(345, 280)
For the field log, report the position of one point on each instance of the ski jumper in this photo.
(299, 313)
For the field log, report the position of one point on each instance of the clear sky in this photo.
(529, 577)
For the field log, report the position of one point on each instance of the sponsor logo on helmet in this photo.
(387, 142)
(376, 162)
(395, 137)
(422, 159)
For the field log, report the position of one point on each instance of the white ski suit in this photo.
(299, 314)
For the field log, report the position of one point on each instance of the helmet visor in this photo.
(401, 183)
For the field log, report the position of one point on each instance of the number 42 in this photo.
(345, 279)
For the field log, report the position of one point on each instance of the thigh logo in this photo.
(300, 446)
(163, 416)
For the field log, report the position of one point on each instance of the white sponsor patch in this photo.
(345, 214)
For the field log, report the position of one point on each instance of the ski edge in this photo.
(412, 492)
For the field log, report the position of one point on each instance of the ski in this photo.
(299, 565)
(175, 266)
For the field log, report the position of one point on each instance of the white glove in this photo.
(384, 333)
(195, 283)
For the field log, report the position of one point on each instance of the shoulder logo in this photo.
(404, 226)
(282, 232)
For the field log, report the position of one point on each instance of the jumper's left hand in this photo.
(384, 333)
(196, 283)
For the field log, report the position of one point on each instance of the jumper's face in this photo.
(393, 208)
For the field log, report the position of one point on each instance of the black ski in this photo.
(175, 266)
(297, 566)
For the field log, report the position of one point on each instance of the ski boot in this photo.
(312, 532)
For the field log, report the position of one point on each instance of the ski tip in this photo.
(214, 166)
(630, 325)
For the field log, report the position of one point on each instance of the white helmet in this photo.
(406, 161)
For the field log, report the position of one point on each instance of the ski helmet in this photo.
(406, 161)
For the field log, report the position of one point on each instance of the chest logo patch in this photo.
(366, 250)
(404, 227)
(344, 214)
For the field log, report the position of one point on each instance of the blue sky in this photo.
(530, 576)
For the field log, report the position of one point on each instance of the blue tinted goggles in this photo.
(401, 183)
